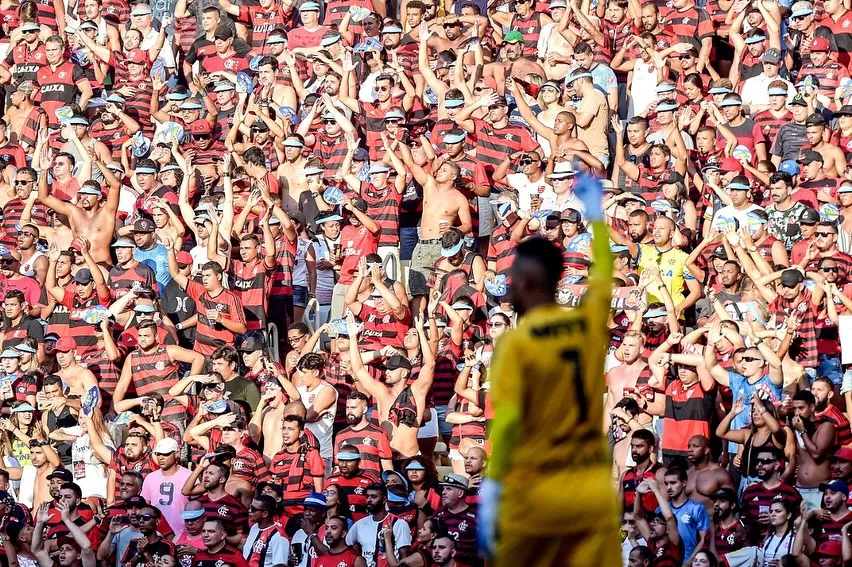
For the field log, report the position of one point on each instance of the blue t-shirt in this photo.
(741, 388)
(691, 518)
(157, 258)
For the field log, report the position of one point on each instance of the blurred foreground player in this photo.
(548, 499)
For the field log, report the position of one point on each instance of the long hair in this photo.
(342, 503)
(430, 479)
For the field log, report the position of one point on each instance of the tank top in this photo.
(300, 269)
(27, 268)
(776, 547)
(748, 466)
(325, 278)
(322, 428)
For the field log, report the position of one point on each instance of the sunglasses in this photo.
(750, 359)
(800, 18)
(30, 234)
(824, 233)
(497, 324)
(146, 517)
(229, 428)
(201, 136)
(254, 509)
(682, 57)
(830, 269)
(765, 461)
(382, 89)
(525, 161)
(329, 121)
(494, 107)
(23, 181)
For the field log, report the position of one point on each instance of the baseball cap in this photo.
(725, 493)
(293, 142)
(124, 243)
(830, 548)
(135, 502)
(137, 56)
(719, 90)
(30, 26)
(200, 126)
(330, 38)
(141, 10)
(732, 99)
(143, 308)
(791, 278)
(309, 7)
(24, 407)
(397, 361)
(820, 44)
(223, 32)
(316, 500)
(731, 164)
(772, 55)
(415, 466)
(251, 344)
(191, 104)
(513, 36)
(361, 155)
(143, 226)
(454, 480)
(809, 216)
(789, 166)
(10, 353)
(815, 119)
(453, 102)
(224, 86)
(754, 38)
(842, 454)
(183, 258)
(798, 100)
(391, 28)
(83, 276)
(455, 136)
(835, 485)
(90, 190)
(192, 514)
(739, 183)
(719, 252)
(666, 106)
(570, 215)
(349, 455)
(845, 110)
(61, 474)
(165, 446)
(810, 156)
(378, 167)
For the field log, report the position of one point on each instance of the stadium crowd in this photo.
(255, 261)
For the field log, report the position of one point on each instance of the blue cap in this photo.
(345, 456)
(618, 248)
(23, 408)
(665, 88)
(736, 185)
(309, 7)
(116, 98)
(461, 306)
(330, 40)
(89, 190)
(391, 29)
(330, 218)
(192, 514)
(450, 252)
(549, 84)
(455, 138)
(732, 101)
(191, 105)
(23, 347)
(223, 87)
(275, 39)
(316, 499)
(177, 96)
(453, 102)
(143, 170)
(379, 167)
(666, 107)
(835, 485)
(170, 167)
(10, 353)
(789, 166)
(77, 121)
(395, 114)
(293, 142)
(386, 475)
(571, 78)
(369, 44)
(845, 188)
(777, 92)
(754, 39)
(144, 308)
(30, 26)
(313, 170)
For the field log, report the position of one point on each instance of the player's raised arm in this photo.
(598, 295)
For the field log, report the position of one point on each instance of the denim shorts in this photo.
(444, 428)
(300, 295)
(830, 367)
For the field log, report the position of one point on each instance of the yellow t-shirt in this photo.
(672, 264)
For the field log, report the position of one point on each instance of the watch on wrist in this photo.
(752, 248)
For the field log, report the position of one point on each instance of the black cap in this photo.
(397, 361)
(83, 276)
(845, 110)
(144, 225)
(571, 215)
(791, 278)
(135, 502)
(6, 498)
(809, 216)
(798, 100)
(815, 119)
(810, 156)
(360, 204)
(725, 493)
(259, 126)
(61, 474)
(719, 252)
(223, 32)
(251, 344)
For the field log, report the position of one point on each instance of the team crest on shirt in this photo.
(61, 74)
(463, 526)
(686, 519)
(359, 490)
(366, 441)
(238, 465)
(341, 564)
(508, 136)
(530, 30)
(220, 563)
(258, 546)
(829, 75)
(846, 24)
(160, 365)
(686, 20)
(222, 511)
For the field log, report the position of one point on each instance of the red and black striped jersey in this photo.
(26, 61)
(209, 334)
(138, 275)
(58, 87)
(372, 443)
(296, 472)
(112, 138)
(355, 488)
(156, 372)
(688, 412)
(138, 106)
(251, 283)
(229, 509)
(756, 497)
(493, 145)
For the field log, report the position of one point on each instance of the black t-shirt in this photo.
(15, 335)
(179, 307)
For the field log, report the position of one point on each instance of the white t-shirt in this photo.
(164, 492)
(365, 532)
(526, 189)
(277, 550)
(90, 473)
(165, 53)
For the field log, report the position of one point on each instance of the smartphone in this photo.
(296, 548)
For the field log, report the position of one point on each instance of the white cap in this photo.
(165, 446)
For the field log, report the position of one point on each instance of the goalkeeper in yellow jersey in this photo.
(548, 498)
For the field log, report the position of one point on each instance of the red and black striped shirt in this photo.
(155, 371)
(372, 442)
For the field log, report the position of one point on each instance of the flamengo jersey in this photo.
(58, 87)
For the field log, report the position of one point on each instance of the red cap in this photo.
(731, 164)
(830, 548)
(199, 127)
(820, 44)
(843, 454)
(183, 257)
(137, 56)
(65, 344)
(128, 341)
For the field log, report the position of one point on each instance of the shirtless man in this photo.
(35, 485)
(834, 160)
(623, 377)
(705, 477)
(291, 173)
(33, 263)
(561, 137)
(77, 378)
(442, 201)
(266, 421)
(815, 442)
(400, 407)
(90, 217)
(514, 65)
(20, 111)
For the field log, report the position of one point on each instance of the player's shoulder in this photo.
(549, 321)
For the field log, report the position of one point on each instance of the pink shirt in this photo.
(164, 492)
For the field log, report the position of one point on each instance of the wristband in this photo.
(179, 326)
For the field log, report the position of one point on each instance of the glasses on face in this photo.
(765, 461)
(682, 57)
(201, 136)
(146, 517)
(496, 324)
(23, 181)
(750, 359)
(800, 18)
(830, 269)
(26, 233)
(525, 162)
(254, 509)
(382, 89)
(229, 428)
(31, 31)
(478, 89)
(329, 121)
(829, 233)
(296, 339)
(494, 107)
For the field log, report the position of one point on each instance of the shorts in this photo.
(812, 496)
(300, 296)
(830, 367)
(444, 428)
(429, 430)
(422, 265)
